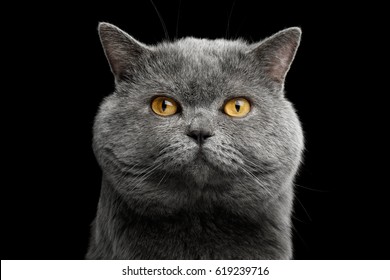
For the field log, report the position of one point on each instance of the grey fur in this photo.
(161, 198)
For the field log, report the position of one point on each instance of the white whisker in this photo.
(256, 180)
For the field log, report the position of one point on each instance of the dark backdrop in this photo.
(57, 75)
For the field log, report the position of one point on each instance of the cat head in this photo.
(198, 121)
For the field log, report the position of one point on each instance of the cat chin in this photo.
(200, 171)
(204, 175)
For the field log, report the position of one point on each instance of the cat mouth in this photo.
(200, 155)
(205, 170)
(200, 160)
(204, 160)
(204, 157)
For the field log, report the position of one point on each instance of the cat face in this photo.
(198, 120)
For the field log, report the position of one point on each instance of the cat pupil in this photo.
(164, 105)
(238, 106)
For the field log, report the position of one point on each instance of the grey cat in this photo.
(198, 147)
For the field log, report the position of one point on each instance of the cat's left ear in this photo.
(276, 53)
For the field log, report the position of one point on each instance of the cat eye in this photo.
(164, 106)
(237, 107)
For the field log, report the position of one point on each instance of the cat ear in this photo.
(276, 53)
(122, 50)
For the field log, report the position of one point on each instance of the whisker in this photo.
(118, 163)
(125, 175)
(299, 236)
(145, 176)
(177, 20)
(141, 173)
(130, 169)
(144, 171)
(254, 166)
(229, 18)
(310, 189)
(307, 213)
(161, 179)
(240, 27)
(167, 177)
(296, 218)
(257, 180)
(149, 169)
(161, 20)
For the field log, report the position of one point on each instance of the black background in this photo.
(57, 75)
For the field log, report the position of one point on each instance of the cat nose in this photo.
(200, 128)
(199, 136)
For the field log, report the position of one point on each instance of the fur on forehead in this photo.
(195, 46)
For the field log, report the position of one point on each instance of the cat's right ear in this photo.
(122, 50)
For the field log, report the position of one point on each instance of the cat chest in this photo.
(194, 239)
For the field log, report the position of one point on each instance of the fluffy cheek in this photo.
(273, 152)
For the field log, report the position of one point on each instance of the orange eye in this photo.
(164, 106)
(237, 107)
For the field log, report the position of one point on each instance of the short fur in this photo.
(163, 195)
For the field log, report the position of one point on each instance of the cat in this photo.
(198, 148)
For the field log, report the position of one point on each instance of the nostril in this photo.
(199, 135)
